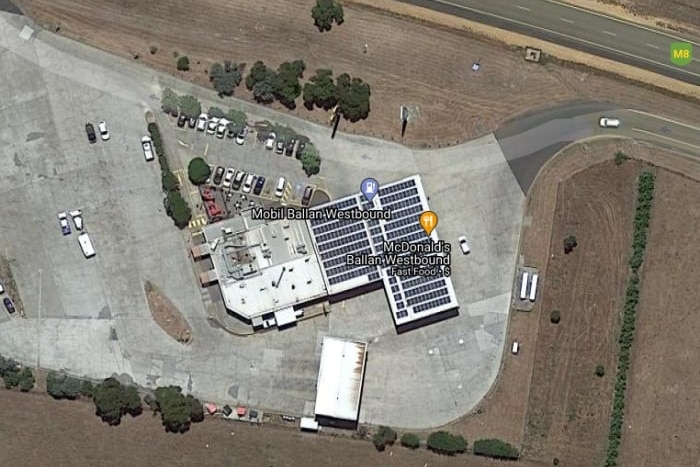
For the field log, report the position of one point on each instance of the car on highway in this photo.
(238, 180)
(607, 122)
(464, 244)
(259, 184)
(270, 142)
(104, 133)
(63, 222)
(202, 121)
(281, 185)
(181, 121)
(218, 175)
(9, 306)
(240, 136)
(147, 146)
(228, 177)
(248, 183)
(90, 130)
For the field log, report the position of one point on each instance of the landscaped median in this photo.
(645, 197)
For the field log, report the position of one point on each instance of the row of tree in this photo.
(645, 197)
(175, 205)
(444, 442)
(15, 375)
(113, 400)
(189, 106)
(351, 95)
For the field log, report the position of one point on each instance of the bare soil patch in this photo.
(661, 424)
(166, 315)
(415, 63)
(8, 282)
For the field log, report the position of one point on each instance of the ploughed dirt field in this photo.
(663, 391)
(681, 12)
(423, 66)
(38, 431)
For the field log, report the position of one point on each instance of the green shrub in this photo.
(183, 63)
(620, 157)
(379, 442)
(495, 448)
(410, 440)
(198, 171)
(555, 317)
(444, 442)
(600, 371)
(61, 386)
(388, 434)
(570, 243)
(180, 211)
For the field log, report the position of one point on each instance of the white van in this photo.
(248, 184)
(515, 348)
(281, 185)
(86, 245)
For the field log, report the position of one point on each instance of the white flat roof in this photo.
(340, 378)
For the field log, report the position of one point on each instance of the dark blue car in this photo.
(8, 304)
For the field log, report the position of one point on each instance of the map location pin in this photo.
(369, 188)
(428, 220)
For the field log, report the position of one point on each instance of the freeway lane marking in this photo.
(566, 20)
(654, 46)
(666, 137)
(522, 8)
(619, 20)
(573, 38)
(609, 33)
(675, 122)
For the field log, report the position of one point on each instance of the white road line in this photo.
(609, 33)
(654, 46)
(665, 137)
(675, 122)
(566, 20)
(522, 8)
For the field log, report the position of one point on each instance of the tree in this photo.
(310, 160)
(238, 117)
(388, 434)
(410, 440)
(325, 13)
(61, 386)
(169, 181)
(225, 77)
(26, 379)
(600, 371)
(87, 389)
(11, 379)
(257, 73)
(320, 91)
(264, 90)
(495, 448)
(169, 101)
(198, 171)
(215, 112)
(114, 400)
(7, 366)
(353, 97)
(379, 442)
(287, 86)
(183, 63)
(180, 211)
(175, 409)
(444, 442)
(196, 409)
(190, 106)
(555, 317)
(570, 243)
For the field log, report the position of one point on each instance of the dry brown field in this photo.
(422, 65)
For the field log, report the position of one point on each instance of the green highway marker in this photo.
(681, 53)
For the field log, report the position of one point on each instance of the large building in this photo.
(269, 269)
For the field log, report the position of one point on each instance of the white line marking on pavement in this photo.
(654, 46)
(675, 122)
(566, 20)
(609, 33)
(522, 8)
(665, 137)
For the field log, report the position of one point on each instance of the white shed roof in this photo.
(340, 378)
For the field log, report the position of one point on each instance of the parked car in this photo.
(306, 199)
(104, 133)
(90, 130)
(280, 147)
(259, 184)
(607, 122)
(63, 222)
(8, 304)
(228, 177)
(270, 143)
(212, 125)
(77, 217)
(281, 185)
(238, 180)
(218, 175)
(240, 136)
(181, 121)
(147, 146)
(221, 128)
(300, 148)
(289, 148)
(192, 123)
(464, 244)
(231, 131)
(248, 183)
(2, 289)
(202, 121)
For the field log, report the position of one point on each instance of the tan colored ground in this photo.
(661, 415)
(414, 63)
(166, 315)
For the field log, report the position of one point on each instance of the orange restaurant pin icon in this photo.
(428, 220)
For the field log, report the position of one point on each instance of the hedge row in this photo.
(495, 448)
(645, 196)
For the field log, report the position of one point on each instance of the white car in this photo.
(240, 136)
(63, 221)
(270, 143)
(607, 122)
(221, 128)
(212, 125)
(248, 184)
(228, 177)
(464, 244)
(147, 146)
(77, 217)
(202, 122)
(104, 133)
(281, 185)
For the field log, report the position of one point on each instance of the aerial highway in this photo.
(579, 29)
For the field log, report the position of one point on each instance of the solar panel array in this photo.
(411, 297)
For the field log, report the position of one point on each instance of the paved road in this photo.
(578, 29)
